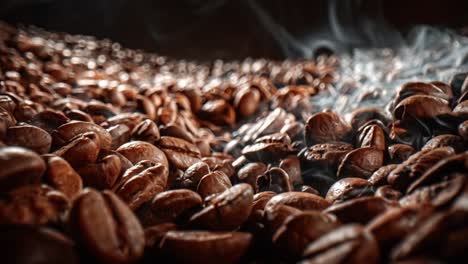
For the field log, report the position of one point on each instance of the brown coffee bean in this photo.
(213, 183)
(141, 182)
(272, 123)
(31, 244)
(103, 174)
(395, 224)
(136, 151)
(206, 247)
(451, 164)
(219, 112)
(181, 154)
(120, 135)
(66, 132)
(19, 167)
(83, 149)
(33, 205)
(147, 131)
(361, 116)
(106, 227)
(275, 180)
(301, 229)
(346, 244)
(227, 210)
(250, 172)
(325, 127)
(62, 176)
(268, 148)
(220, 164)
(447, 140)
(412, 169)
(358, 210)
(418, 88)
(388, 193)
(246, 101)
(78, 115)
(193, 175)
(463, 130)
(399, 153)
(327, 155)
(372, 136)
(171, 206)
(360, 163)
(349, 188)
(421, 107)
(154, 234)
(292, 166)
(379, 177)
(49, 120)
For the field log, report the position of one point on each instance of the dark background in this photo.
(232, 29)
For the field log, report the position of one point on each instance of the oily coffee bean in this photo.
(358, 210)
(250, 172)
(227, 210)
(325, 127)
(147, 131)
(421, 107)
(154, 234)
(136, 151)
(453, 141)
(61, 176)
(247, 101)
(141, 182)
(362, 115)
(360, 163)
(30, 137)
(327, 155)
(171, 206)
(301, 229)
(120, 135)
(103, 174)
(193, 175)
(388, 193)
(32, 244)
(66, 132)
(106, 227)
(346, 244)
(180, 153)
(399, 153)
(82, 149)
(275, 180)
(205, 246)
(219, 112)
(268, 148)
(372, 136)
(20, 167)
(349, 188)
(418, 88)
(213, 183)
(292, 166)
(463, 130)
(379, 177)
(33, 205)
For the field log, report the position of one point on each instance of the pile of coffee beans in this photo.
(110, 155)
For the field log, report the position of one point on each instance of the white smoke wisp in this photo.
(370, 77)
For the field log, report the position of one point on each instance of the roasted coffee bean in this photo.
(103, 174)
(347, 244)
(81, 150)
(412, 169)
(268, 148)
(171, 206)
(218, 164)
(205, 247)
(301, 229)
(176, 131)
(219, 112)
(325, 127)
(362, 115)
(136, 151)
(33, 205)
(227, 210)
(62, 176)
(421, 107)
(463, 130)
(399, 153)
(453, 141)
(106, 227)
(20, 167)
(180, 153)
(349, 188)
(372, 136)
(327, 155)
(120, 135)
(213, 183)
(379, 177)
(49, 120)
(147, 131)
(275, 180)
(307, 189)
(360, 163)
(193, 175)
(292, 166)
(32, 244)
(250, 172)
(388, 193)
(66, 132)
(420, 89)
(141, 182)
(359, 210)
(247, 101)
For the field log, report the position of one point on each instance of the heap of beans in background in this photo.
(112, 155)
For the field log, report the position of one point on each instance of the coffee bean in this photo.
(362, 115)
(106, 227)
(154, 234)
(66, 132)
(180, 153)
(372, 136)
(327, 156)
(120, 135)
(463, 130)
(193, 175)
(388, 193)
(246, 101)
(250, 172)
(349, 188)
(399, 153)
(268, 148)
(20, 167)
(82, 149)
(49, 120)
(379, 177)
(205, 246)
(227, 210)
(147, 131)
(325, 127)
(275, 180)
(136, 151)
(453, 141)
(421, 107)
(292, 166)
(359, 210)
(103, 174)
(62, 176)
(213, 183)
(360, 163)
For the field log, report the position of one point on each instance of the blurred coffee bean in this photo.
(349, 188)
(136, 151)
(327, 156)
(180, 153)
(250, 172)
(325, 127)
(359, 210)
(213, 183)
(399, 153)
(453, 141)
(62, 176)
